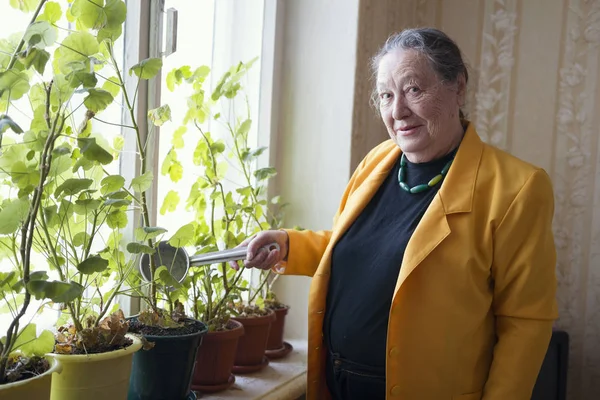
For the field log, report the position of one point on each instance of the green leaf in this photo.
(244, 128)
(37, 96)
(61, 150)
(12, 215)
(109, 34)
(52, 12)
(143, 182)
(200, 73)
(97, 99)
(265, 173)
(13, 84)
(86, 206)
(160, 115)
(254, 153)
(121, 194)
(89, 13)
(58, 292)
(148, 232)
(8, 281)
(217, 147)
(117, 202)
(117, 219)
(7, 122)
(176, 171)
(33, 276)
(31, 345)
(147, 69)
(61, 91)
(172, 166)
(176, 76)
(94, 14)
(94, 152)
(183, 236)
(24, 176)
(72, 186)
(137, 248)
(111, 85)
(170, 202)
(92, 264)
(78, 46)
(37, 59)
(40, 34)
(118, 143)
(26, 6)
(177, 140)
(201, 153)
(80, 239)
(112, 183)
(83, 78)
(165, 277)
(116, 14)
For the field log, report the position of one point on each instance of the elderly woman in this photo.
(437, 278)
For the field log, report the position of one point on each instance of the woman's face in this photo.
(420, 112)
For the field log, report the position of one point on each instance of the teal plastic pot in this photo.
(165, 371)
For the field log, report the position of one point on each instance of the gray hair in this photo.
(442, 53)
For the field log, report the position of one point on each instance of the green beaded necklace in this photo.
(422, 187)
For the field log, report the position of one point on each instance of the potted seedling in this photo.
(227, 210)
(276, 346)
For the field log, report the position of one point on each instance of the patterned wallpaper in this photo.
(535, 92)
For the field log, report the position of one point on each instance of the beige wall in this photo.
(534, 91)
(316, 89)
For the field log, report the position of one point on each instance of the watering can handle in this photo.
(216, 257)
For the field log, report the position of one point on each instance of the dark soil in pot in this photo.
(21, 368)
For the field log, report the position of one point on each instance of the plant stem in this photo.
(222, 190)
(235, 281)
(250, 300)
(144, 203)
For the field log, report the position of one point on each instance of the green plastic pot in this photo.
(165, 371)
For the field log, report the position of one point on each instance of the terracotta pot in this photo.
(250, 355)
(215, 360)
(275, 341)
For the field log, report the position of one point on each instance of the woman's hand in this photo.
(258, 256)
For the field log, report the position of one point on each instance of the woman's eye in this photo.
(385, 96)
(413, 90)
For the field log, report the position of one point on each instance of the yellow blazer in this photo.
(474, 304)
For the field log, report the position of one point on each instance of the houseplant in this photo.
(73, 207)
(276, 346)
(77, 199)
(227, 200)
(24, 371)
(211, 287)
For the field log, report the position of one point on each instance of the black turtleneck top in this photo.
(366, 262)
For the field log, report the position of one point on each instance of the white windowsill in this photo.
(283, 379)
